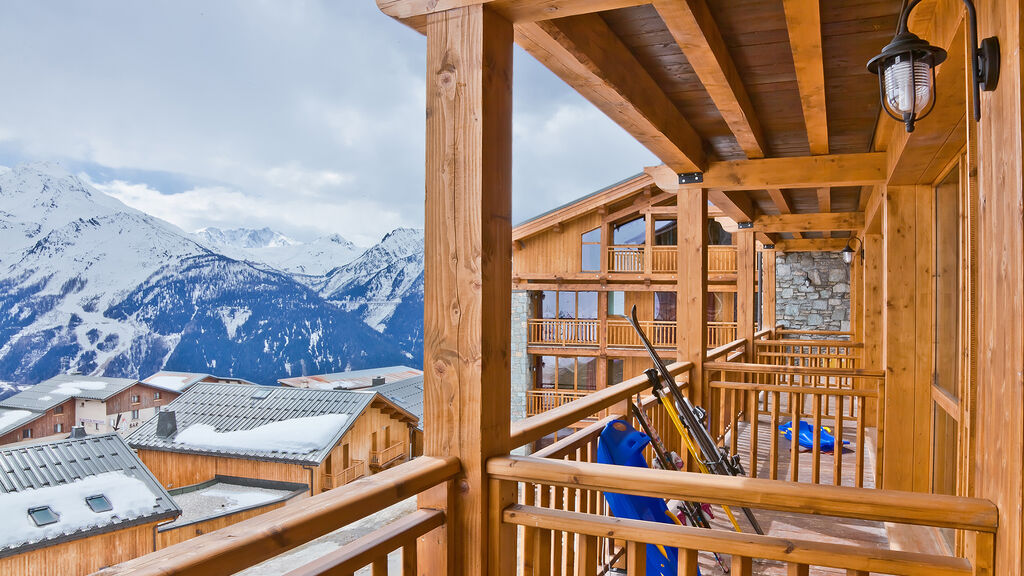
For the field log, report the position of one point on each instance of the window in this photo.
(26, 433)
(616, 368)
(97, 425)
(135, 399)
(549, 304)
(665, 233)
(665, 306)
(590, 251)
(586, 305)
(99, 503)
(156, 395)
(43, 515)
(58, 409)
(58, 428)
(135, 414)
(156, 409)
(616, 303)
(566, 373)
(260, 393)
(633, 232)
(567, 305)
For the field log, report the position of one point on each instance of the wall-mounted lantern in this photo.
(849, 250)
(906, 69)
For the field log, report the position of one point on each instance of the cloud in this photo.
(314, 110)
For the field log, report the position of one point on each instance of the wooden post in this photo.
(648, 244)
(873, 299)
(767, 289)
(746, 255)
(467, 287)
(692, 284)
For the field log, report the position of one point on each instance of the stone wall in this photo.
(812, 291)
(520, 359)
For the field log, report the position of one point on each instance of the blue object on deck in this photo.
(622, 445)
(826, 441)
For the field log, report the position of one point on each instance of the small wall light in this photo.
(849, 251)
(906, 69)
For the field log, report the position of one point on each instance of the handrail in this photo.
(536, 427)
(790, 550)
(252, 541)
(715, 353)
(795, 370)
(845, 502)
(792, 389)
(579, 438)
(794, 342)
(762, 333)
(375, 545)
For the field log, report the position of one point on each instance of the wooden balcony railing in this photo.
(357, 469)
(622, 335)
(626, 259)
(563, 332)
(252, 541)
(721, 333)
(665, 260)
(382, 458)
(538, 401)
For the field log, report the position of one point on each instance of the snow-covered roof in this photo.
(226, 495)
(61, 475)
(58, 389)
(406, 393)
(13, 418)
(273, 423)
(352, 379)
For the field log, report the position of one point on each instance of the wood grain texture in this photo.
(810, 222)
(803, 19)
(467, 283)
(512, 10)
(691, 290)
(799, 172)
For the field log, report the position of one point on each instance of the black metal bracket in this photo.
(691, 177)
(744, 225)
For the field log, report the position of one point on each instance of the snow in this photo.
(11, 418)
(234, 318)
(222, 498)
(130, 498)
(172, 383)
(296, 436)
(46, 398)
(76, 387)
(242, 498)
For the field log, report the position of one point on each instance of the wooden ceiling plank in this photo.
(694, 29)
(585, 53)
(798, 172)
(782, 202)
(811, 245)
(513, 10)
(803, 19)
(833, 221)
(825, 203)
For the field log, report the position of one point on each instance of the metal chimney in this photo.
(377, 381)
(77, 432)
(166, 424)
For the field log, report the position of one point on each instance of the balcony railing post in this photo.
(468, 276)
(692, 286)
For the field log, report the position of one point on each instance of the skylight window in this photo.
(99, 503)
(43, 515)
(260, 394)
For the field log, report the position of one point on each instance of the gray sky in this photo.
(305, 116)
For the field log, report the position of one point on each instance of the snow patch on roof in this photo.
(295, 436)
(76, 387)
(11, 418)
(174, 383)
(130, 498)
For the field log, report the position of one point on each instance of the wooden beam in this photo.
(745, 298)
(799, 172)
(585, 53)
(842, 221)
(825, 203)
(694, 29)
(735, 204)
(468, 281)
(811, 245)
(512, 10)
(639, 204)
(803, 19)
(692, 287)
(783, 204)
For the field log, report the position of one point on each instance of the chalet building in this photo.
(768, 110)
(74, 506)
(352, 379)
(407, 394)
(321, 438)
(178, 382)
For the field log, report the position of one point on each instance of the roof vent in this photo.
(77, 432)
(166, 424)
(377, 380)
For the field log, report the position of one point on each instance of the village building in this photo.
(320, 438)
(178, 382)
(351, 379)
(408, 394)
(77, 505)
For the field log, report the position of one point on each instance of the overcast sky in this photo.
(307, 117)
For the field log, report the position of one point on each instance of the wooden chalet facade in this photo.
(758, 106)
(374, 434)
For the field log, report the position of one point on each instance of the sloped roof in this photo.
(352, 379)
(181, 381)
(58, 389)
(406, 393)
(12, 419)
(234, 408)
(60, 474)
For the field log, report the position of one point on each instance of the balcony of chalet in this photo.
(761, 112)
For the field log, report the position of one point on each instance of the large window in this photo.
(665, 306)
(665, 233)
(568, 305)
(566, 373)
(633, 232)
(616, 303)
(590, 251)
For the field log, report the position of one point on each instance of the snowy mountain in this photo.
(89, 283)
(278, 251)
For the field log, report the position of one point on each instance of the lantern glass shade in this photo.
(907, 84)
